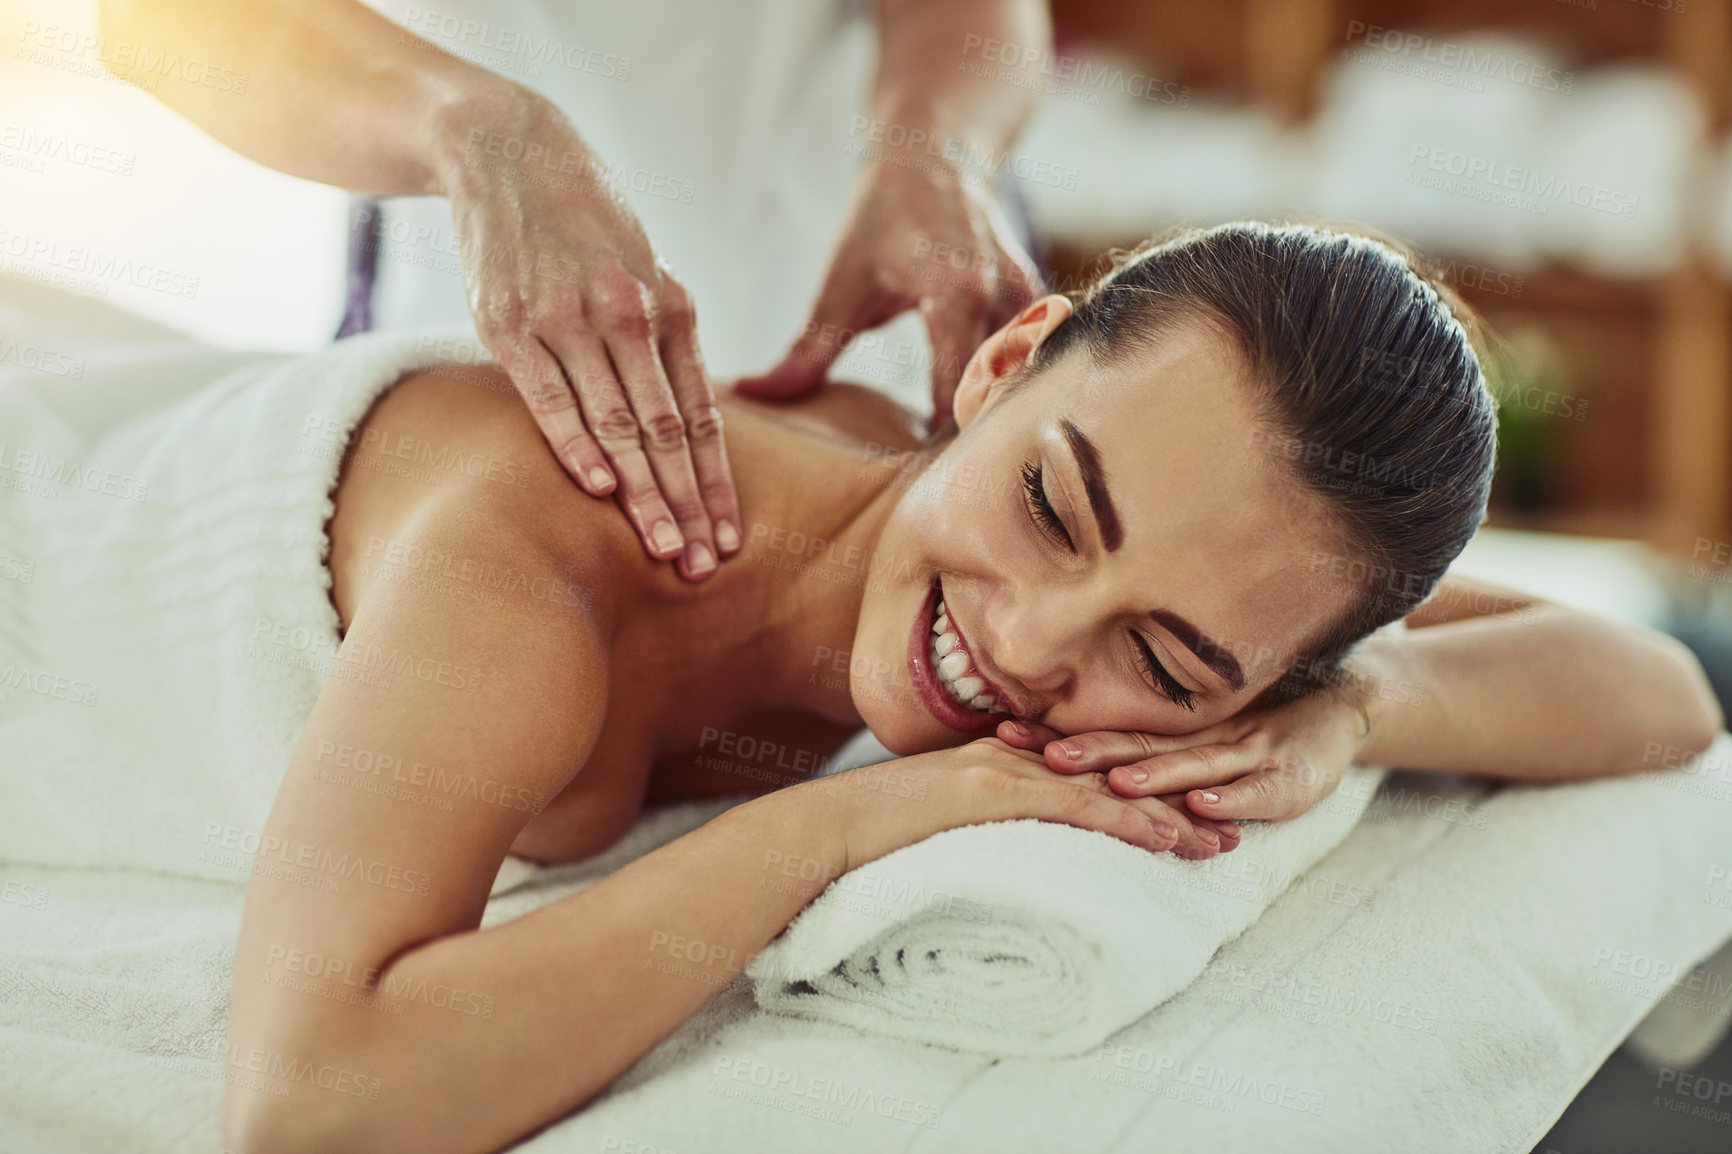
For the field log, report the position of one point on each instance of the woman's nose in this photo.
(1036, 641)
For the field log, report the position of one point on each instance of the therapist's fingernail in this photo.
(666, 536)
(698, 557)
(1138, 774)
(1208, 836)
(1071, 749)
(1018, 728)
(1209, 795)
(1166, 832)
(599, 478)
(727, 536)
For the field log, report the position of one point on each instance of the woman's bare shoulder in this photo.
(454, 454)
(843, 409)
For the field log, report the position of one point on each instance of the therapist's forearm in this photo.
(334, 92)
(1554, 696)
(925, 81)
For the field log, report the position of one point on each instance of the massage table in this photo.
(1447, 978)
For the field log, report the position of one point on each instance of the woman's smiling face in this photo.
(1115, 548)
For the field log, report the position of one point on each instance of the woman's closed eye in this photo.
(1164, 682)
(1040, 507)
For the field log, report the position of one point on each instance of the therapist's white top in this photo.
(733, 131)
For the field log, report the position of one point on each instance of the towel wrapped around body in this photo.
(165, 615)
(1029, 938)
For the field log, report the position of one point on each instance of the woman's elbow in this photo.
(1696, 719)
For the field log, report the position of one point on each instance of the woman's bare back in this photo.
(456, 448)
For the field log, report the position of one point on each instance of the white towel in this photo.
(165, 620)
(1031, 938)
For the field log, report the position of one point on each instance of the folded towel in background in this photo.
(1030, 938)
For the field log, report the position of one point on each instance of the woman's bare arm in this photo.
(369, 1013)
(440, 1036)
(1492, 681)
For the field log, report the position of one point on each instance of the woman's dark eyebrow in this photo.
(1088, 463)
(1205, 650)
(1094, 479)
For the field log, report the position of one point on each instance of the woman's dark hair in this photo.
(1367, 383)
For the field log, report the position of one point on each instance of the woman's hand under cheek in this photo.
(1200, 836)
(1270, 765)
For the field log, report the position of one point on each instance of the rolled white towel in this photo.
(1030, 938)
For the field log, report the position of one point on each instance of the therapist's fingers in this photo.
(540, 380)
(626, 319)
(696, 398)
(608, 414)
(956, 323)
(961, 313)
(852, 300)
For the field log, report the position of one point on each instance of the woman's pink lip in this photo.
(925, 678)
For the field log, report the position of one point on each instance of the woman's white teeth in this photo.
(952, 665)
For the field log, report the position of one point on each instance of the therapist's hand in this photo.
(1272, 764)
(593, 329)
(923, 235)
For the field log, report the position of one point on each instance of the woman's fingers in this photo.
(1027, 735)
(1228, 831)
(1269, 795)
(1182, 832)
(1196, 767)
(1195, 840)
(1104, 749)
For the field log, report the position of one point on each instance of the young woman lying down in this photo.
(1127, 593)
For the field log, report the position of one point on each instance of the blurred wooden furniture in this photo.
(1654, 461)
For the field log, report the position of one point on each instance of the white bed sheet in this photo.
(1446, 980)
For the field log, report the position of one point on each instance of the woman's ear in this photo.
(1004, 352)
